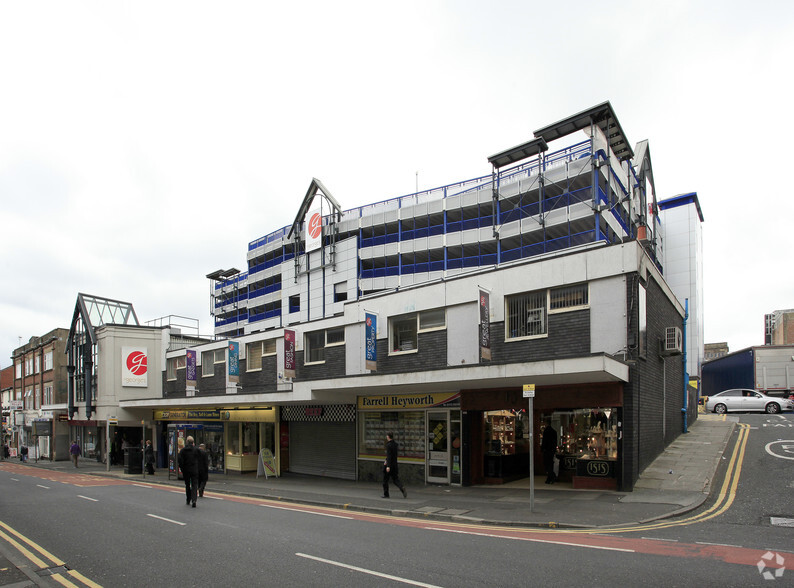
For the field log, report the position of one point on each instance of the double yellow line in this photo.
(43, 559)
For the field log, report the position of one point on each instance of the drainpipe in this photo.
(686, 375)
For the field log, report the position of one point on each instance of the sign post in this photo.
(529, 392)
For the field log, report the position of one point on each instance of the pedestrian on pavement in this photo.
(148, 457)
(23, 453)
(204, 469)
(75, 452)
(548, 448)
(188, 459)
(390, 468)
(6, 450)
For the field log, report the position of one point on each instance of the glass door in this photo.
(438, 454)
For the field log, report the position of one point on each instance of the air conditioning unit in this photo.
(673, 341)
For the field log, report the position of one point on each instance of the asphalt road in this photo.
(115, 533)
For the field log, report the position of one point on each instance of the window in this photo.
(568, 297)
(335, 336)
(340, 292)
(294, 303)
(18, 371)
(37, 397)
(315, 347)
(526, 315)
(37, 364)
(210, 358)
(47, 394)
(404, 329)
(29, 399)
(28, 366)
(48, 361)
(175, 363)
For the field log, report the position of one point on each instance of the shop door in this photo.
(438, 447)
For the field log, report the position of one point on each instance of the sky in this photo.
(144, 144)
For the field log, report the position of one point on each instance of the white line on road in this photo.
(166, 520)
(659, 539)
(366, 571)
(15, 479)
(532, 540)
(717, 544)
(87, 498)
(322, 514)
(45, 487)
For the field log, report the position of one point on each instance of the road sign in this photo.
(529, 390)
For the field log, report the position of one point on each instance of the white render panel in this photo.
(608, 315)
(462, 334)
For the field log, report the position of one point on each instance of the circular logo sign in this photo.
(315, 225)
(136, 363)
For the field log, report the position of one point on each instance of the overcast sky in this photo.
(144, 144)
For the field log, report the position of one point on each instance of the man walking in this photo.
(204, 469)
(390, 468)
(188, 460)
(75, 452)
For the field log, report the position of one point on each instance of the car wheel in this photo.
(773, 408)
(720, 409)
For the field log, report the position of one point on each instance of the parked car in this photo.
(741, 399)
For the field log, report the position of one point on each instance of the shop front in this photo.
(586, 420)
(427, 429)
(319, 440)
(233, 437)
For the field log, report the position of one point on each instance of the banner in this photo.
(314, 228)
(371, 341)
(485, 325)
(233, 371)
(289, 354)
(190, 372)
(134, 368)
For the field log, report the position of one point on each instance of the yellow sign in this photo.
(397, 402)
(267, 464)
(529, 387)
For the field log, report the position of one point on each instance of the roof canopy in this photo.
(315, 187)
(95, 312)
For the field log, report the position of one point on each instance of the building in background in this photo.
(779, 327)
(6, 394)
(715, 350)
(682, 220)
(40, 397)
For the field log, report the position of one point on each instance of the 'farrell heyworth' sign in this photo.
(390, 402)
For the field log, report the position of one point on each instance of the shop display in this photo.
(408, 429)
(502, 437)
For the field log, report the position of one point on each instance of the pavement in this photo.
(678, 481)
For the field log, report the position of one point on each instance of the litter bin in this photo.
(133, 460)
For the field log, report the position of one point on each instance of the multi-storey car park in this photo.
(437, 316)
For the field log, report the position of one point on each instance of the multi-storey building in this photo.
(40, 395)
(779, 327)
(682, 220)
(464, 319)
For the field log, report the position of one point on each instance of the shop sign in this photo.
(134, 367)
(314, 228)
(595, 468)
(16, 404)
(313, 411)
(421, 401)
(178, 415)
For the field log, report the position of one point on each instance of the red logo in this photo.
(136, 363)
(315, 225)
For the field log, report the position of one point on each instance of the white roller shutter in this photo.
(323, 449)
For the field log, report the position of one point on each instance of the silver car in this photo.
(742, 399)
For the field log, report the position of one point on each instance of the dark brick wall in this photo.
(654, 396)
(568, 336)
(333, 367)
(431, 355)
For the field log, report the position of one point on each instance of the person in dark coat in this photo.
(204, 469)
(548, 447)
(188, 459)
(390, 468)
(148, 457)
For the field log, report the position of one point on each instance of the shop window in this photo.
(569, 298)
(250, 438)
(526, 315)
(404, 329)
(408, 428)
(589, 433)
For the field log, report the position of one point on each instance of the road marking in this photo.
(659, 539)
(45, 487)
(718, 544)
(322, 514)
(532, 540)
(788, 448)
(366, 571)
(87, 498)
(154, 516)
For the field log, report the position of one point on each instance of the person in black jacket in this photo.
(148, 455)
(390, 469)
(204, 469)
(188, 459)
(548, 447)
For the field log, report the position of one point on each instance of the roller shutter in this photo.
(323, 449)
